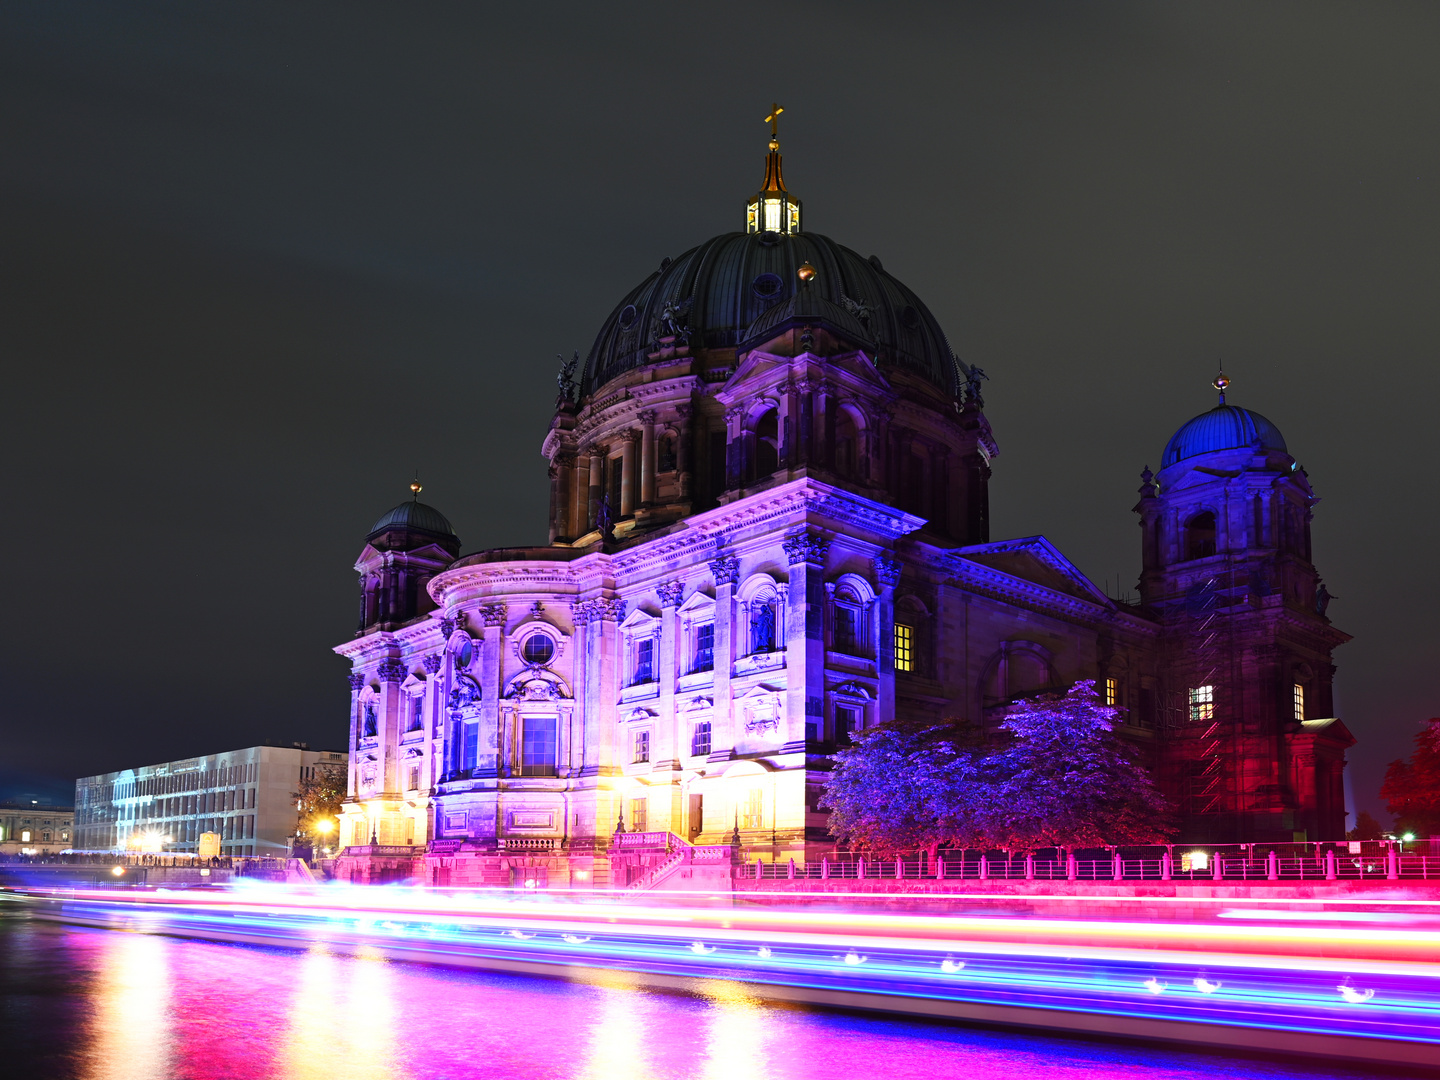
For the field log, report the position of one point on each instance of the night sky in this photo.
(259, 263)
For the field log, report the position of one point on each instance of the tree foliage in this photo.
(1059, 777)
(319, 799)
(1412, 787)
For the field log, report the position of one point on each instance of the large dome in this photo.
(1225, 427)
(725, 287)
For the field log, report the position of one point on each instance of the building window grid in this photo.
(700, 741)
(1202, 704)
(639, 816)
(642, 661)
(1112, 692)
(1298, 700)
(752, 814)
(642, 747)
(538, 746)
(904, 647)
(704, 647)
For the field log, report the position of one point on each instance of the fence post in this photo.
(825, 868)
(984, 867)
(939, 867)
(792, 869)
(1167, 866)
(1029, 866)
(860, 867)
(1392, 865)
(1272, 866)
(899, 868)
(1217, 867)
(1072, 866)
(1330, 873)
(1117, 867)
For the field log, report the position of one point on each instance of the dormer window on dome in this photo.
(773, 209)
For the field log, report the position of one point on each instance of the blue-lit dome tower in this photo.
(1243, 687)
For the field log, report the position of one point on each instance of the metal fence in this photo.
(1236, 862)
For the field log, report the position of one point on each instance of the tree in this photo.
(319, 799)
(1366, 828)
(1067, 780)
(1412, 787)
(1059, 777)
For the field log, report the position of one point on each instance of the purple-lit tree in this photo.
(1067, 780)
(1062, 778)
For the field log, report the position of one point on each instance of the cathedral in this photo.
(768, 531)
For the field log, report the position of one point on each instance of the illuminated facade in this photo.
(28, 828)
(246, 797)
(769, 529)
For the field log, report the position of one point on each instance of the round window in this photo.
(767, 286)
(465, 654)
(627, 316)
(538, 649)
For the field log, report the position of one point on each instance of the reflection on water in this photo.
(106, 1005)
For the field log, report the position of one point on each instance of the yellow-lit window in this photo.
(639, 815)
(904, 647)
(772, 215)
(1202, 704)
(1112, 692)
(1299, 699)
(25, 836)
(752, 814)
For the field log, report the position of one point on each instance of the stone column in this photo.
(557, 509)
(597, 478)
(392, 673)
(628, 473)
(726, 570)
(805, 422)
(824, 450)
(490, 758)
(561, 499)
(734, 448)
(585, 754)
(580, 496)
(357, 683)
(683, 449)
(647, 457)
(604, 625)
(669, 593)
(805, 638)
(787, 425)
(887, 575)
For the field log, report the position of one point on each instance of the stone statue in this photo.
(762, 629)
(604, 517)
(1322, 599)
(673, 321)
(566, 378)
(972, 386)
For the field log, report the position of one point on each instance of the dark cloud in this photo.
(261, 262)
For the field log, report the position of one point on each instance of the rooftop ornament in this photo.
(773, 209)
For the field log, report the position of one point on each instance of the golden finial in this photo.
(774, 121)
(806, 273)
(1220, 382)
(415, 486)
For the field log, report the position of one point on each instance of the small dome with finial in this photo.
(1225, 427)
(426, 524)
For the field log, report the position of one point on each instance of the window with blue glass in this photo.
(417, 714)
(538, 746)
(700, 741)
(644, 661)
(704, 647)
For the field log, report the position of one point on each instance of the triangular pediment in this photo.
(1036, 560)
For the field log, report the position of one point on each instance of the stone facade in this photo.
(769, 530)
(28, 828)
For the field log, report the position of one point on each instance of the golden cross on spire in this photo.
(774, 120)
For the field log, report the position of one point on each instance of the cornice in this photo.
(995, 584)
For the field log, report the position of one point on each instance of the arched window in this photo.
(767, 444)
(1200, 536)
(665, 457)
(849, 623)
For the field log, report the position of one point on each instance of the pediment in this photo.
(1036, 560)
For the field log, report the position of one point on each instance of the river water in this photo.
(112, 1005)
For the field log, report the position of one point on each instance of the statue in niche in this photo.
(762, 629)
(604, 518)
(372, 721)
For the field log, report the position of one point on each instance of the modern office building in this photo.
(247, 797)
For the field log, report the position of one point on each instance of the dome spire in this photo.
(416, 487)
(773, 209)
(1220, 383)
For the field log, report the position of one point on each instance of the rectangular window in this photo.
(700, 743)
(538, 746)
(705, 647)
(642, 746)
(847, 722)
(847, 636)
(904, 647)
(417, 714)
(1202, 704)
(414, 778)
(1112, 692)
(1299, 699)
(639, 817)
(752, 813)
(644, 661)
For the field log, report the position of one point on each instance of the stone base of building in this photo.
(379, 865)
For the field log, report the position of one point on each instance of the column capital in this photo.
(726, 569)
